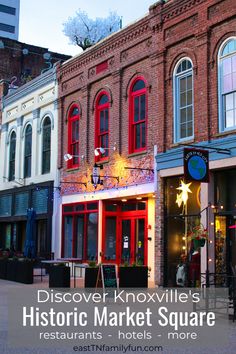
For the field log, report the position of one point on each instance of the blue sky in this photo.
(41, 20)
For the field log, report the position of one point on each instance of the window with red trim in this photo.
(102, 125)
(80, 231)
(73, 136)
(138, 117)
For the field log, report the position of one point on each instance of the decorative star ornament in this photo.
(184, 187)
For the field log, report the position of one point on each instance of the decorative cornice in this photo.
(104, 47)
(178, 8)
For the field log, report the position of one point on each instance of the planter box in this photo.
(11, 270)
(59, 277)
(90, 279)
(24, 272)
(133, 277)
(3, 268)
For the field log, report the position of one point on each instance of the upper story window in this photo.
(46, 145)
(28, 151)
(12, 156)
(183, 101)
(138, 117)
(227, 85)
(73, 136)
(102, 125)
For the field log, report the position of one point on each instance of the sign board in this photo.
(196, 165)
(107, 276)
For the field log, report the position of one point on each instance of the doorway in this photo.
(225, 243)
(125, 233)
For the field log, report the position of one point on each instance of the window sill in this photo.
(133, 154)
(182, 143)
(227, 132)
(72, 169)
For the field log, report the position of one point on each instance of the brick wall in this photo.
(150, 47)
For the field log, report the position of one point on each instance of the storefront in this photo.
(210, 206)
(117, 230)
(13, 217)
(124, 231)
(225, 220)
(180, 221)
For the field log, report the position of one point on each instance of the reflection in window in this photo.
(102, 124)
(110, 237)
(28, 151)
(227, 85)
(68, 232)
(92, 236)
(183, 98)
(138, 116)
(12, 156)
(46, 150)
(73, 136)
(80, 231)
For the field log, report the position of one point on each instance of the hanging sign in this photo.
(196, 165)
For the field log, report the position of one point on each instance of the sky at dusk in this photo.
(41, 20)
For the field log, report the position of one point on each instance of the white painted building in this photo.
(9, 18)
(28, 164)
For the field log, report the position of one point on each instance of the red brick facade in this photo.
(150, 48)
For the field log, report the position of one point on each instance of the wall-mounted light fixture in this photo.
(101, 150)
(68, 157)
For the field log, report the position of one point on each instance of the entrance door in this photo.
(133, 241)
(225, 243)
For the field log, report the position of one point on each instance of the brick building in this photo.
(21, 62)
(162, 83)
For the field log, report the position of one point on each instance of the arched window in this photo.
(138, 117)
(46, 146)
(12, 157)
(227, 85)
(73, 136)
(183, 101)
(102, 125)
(28, 151)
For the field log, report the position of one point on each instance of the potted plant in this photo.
(198, 235)
(133, 276)
(24, 271)
(91, 275)
(59, 276)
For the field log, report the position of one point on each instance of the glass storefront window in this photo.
(5, 205)
(68, 233)
(21, 203)
(79, 240)
(92, 232)
(40, 200)
(110, 238)
(80, 237)
(179, 221)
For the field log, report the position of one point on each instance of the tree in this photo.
(85, 32)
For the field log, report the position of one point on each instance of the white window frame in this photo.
(221, 113)
(176, 79)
